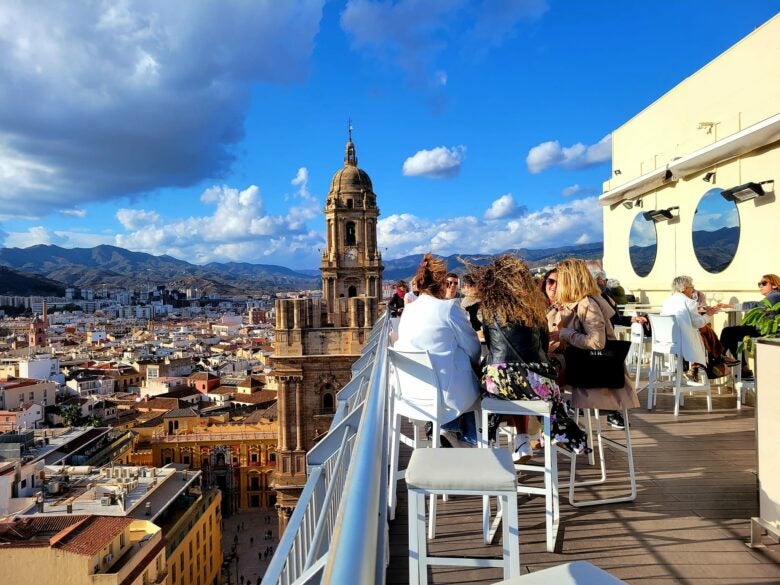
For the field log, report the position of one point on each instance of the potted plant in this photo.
(766, 319)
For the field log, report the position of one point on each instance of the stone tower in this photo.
(351, 264)
(318, 340)
(36, 336)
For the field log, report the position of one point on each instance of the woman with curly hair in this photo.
(442, 327)
(516, 367)
(583, 320)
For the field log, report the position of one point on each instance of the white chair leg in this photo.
(678, 397)
(651, 382)
(627, 448)
(511, 542)
(394, 474)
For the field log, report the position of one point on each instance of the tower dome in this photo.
(350, 179)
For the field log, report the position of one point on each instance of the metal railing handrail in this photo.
(357, 553)
(335, 509)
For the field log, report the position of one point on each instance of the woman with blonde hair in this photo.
(442, 327)
(516, 365)
(583, 320)
(769, 287)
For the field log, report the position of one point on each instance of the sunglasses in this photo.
(452, 283)
(551, 281)
(763, 283)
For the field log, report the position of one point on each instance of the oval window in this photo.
(715, 231)
(642, 245)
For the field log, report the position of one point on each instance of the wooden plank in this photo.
(697, 491)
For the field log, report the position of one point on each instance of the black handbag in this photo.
(597, 368)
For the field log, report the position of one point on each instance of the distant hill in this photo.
(110, 266)
(716, 249)
(406, 267)
(15, 283)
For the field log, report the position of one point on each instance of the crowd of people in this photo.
(506, 333)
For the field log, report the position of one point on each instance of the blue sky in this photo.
(210, 130)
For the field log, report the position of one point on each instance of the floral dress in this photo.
(520, 380)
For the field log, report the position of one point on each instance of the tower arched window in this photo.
(327, 403)
(352, 291)
(350, 204)
(349, 236)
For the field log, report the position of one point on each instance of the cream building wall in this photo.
(736, 91)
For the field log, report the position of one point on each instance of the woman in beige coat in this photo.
(581, 318)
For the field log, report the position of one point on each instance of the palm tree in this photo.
(71, 415)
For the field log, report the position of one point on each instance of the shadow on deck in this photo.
(697, 489)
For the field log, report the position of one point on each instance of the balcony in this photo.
(697, 490)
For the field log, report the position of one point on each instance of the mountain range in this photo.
(42, 269)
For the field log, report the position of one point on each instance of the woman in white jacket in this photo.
(442, 327)
(685, 310)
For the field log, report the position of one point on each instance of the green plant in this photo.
(766, 318)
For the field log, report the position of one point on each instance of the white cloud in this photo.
(503, 208)
(239, 229)
(133, 219)
(577, 156)
(42, 235)
(571, 190)
(103, 99)
(438, 163)
(574, 222)
(80, 213)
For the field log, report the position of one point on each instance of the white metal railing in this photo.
(338, 530)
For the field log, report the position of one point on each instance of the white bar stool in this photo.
(462, 472)
(576, 573)
(601, 442)
(550, 470)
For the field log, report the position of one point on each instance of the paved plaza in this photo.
(244, 542)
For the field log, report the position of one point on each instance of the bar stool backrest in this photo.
(415, 385)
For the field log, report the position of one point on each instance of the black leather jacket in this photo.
(515, 343)
(396, 305)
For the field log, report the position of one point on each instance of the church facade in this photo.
(318, 340)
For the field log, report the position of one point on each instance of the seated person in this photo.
(769, 286)
(396, 303)
(470, 302)
(685, 310)
(442, 327)
(617, 318)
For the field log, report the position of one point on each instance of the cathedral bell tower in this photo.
(316, 341)
(351, 264)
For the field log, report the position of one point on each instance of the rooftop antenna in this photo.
(349, 127)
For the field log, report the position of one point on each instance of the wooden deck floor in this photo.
(697, 489)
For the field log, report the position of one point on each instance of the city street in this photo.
(244, 542)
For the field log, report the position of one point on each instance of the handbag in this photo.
(517, 379)
(597, 368)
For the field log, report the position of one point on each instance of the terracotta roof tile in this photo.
(92, 535)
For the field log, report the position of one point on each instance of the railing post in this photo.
(357, 545)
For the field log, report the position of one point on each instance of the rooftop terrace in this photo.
(697, 490)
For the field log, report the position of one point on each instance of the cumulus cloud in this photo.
(503, 208)
(81, 213)
(239, 228)
(571, 190)
(42, 235)
(578, 221)
(131, 96)
(577, 156)
(438, 163)
(412, 34)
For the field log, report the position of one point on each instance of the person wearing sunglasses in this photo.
(451, 292)
(769, 286)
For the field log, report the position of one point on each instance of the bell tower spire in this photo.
(350, 158)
